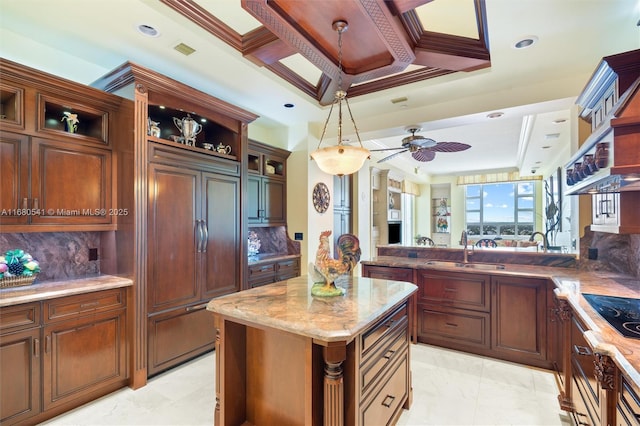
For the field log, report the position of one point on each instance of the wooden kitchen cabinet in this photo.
(519, 319)
(94, 331)
(453, 309)
(20, 356)
(628, 402)
(188, 214)
(61, 353)
(266, 185)
(388, 273)
(194, 244)
(41, 160)
(499, 316)
(271, 271)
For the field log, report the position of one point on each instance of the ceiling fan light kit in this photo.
(340, 159)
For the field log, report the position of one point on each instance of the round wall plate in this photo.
(321, 197)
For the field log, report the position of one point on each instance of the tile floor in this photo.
(450, 388)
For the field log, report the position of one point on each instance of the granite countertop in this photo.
(570, 284)
(270, 257)
(289, 306)
(52, 289)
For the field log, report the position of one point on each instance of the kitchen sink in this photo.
(484, 266)
(445, 263)
(451, 264)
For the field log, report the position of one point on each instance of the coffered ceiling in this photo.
(441, 65)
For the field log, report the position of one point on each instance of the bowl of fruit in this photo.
(17, 268)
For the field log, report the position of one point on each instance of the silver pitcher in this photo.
(189, 129)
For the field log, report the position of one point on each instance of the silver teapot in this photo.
(189, 129)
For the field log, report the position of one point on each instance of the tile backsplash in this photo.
(62, 255)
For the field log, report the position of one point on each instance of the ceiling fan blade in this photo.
(389, 157)
(450, 147)
(424, 155)
(387, 149)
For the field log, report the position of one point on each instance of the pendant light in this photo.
(340, 159)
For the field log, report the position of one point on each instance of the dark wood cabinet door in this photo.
(20, 373)
(14, 175)
(275, 201)
(178, 335)
(518, 320)
(173, 233)
(71, 183)
(221, 252)
(255, 209)
(101, 339)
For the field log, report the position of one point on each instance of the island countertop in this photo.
(289, 306)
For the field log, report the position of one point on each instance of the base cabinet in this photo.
(179, 335)
(499, 316)
(58, 354)
(268, 272)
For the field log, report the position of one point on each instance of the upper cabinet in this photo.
(56, 135)
(266, 185)
(607, 165)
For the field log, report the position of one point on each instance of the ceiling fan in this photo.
(421, 148)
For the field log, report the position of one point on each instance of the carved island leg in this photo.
(216, 410)
(564, 316)
(334, 356)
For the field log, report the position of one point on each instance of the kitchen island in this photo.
(286, 357)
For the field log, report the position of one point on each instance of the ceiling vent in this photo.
(184, 49)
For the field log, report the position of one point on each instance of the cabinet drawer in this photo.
(467, 291)
(256, 271)
(383, 408)
(19, 317)
(66, 307)
(467, 327)
(378, 365)
(286, 267)
(382, 330)
(628, 404)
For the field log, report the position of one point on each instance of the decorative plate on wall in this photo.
(321, 197)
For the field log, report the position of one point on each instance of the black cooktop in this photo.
(622, 313)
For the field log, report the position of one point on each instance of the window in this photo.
(500, 209)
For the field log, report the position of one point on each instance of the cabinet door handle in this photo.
(205, 236)
(450, 289)
(581, 350)
(450, 324)
(36, 348)
(198, 236)
(389, 354)
(89, 305)
(388, 400)
(195, 308)
(46, 344)
(36, 204)
(25, 203)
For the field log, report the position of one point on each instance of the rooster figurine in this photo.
(346, 259)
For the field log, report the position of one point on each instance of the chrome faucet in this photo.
(464, 242)
(545, 242)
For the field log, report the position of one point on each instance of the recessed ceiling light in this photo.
(148, 30)
(559, 120)
(289, 105)
(525, 42)
(495, 114)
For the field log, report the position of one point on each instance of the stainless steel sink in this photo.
(452, 264)
(484, 266)
(445, 263)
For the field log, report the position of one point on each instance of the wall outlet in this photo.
(593, 253)
(93, 254)
(297, 236)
